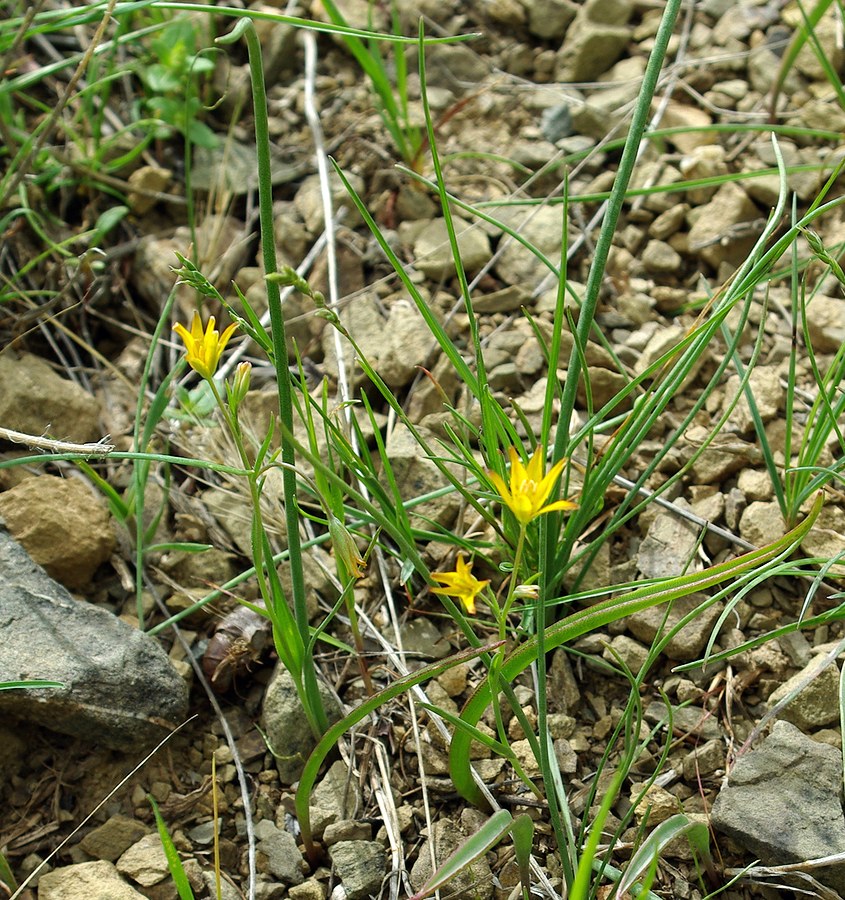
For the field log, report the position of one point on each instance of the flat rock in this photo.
(417, 475)
(761, 523)
(661, 258)
(595, 40)
(669, 545)
(690, 640)
(120, 689)
(542, 227)
(335, 798)
(98, 880)
(825, 323)
(35, 400)
(114, 837)
(766, 389)
(62, 524)
(474, 882)
(549, 19)
(783, 802)
(712, 236)
(145, 861)
(284, 860)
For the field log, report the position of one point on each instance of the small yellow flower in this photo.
(204, 349)
(461, 584)
(529, 488)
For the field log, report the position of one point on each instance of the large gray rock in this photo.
(120, 689)
(783, 802)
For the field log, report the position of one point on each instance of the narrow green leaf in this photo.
(6, 875)
(174, 863)
(490, 833)
(656, 843)
(36, 683)
(523, 841)
(335, 732)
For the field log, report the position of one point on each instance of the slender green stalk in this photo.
(314, 702)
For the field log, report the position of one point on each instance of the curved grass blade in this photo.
(646, 856)
(597, 616)
(174, 863)
(334, 732)
(490, 833)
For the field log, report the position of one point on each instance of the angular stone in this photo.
(826, 323)
(660, 258)
(120, 690)
(145, 861)
(288, 733)
(767, 391)
(817, 704)
(98, 880)
(717, 235)
(279, 847)
(35, 400)
(474, 882)
(433, 253)
(761, 523)
(116, 835)
(595, 40)
(549, 19)
(361, 866)
(690, 640)
(335, 798)
(62, 524)
(783, 802)
(669, 545)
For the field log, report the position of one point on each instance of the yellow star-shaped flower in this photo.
(461, 584)
(204, 347)
(529, 488)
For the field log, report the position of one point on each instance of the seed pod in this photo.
(237, 644)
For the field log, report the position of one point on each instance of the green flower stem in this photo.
(287, 639)
(517, 564)
(311, 699)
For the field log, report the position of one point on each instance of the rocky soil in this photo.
(545, 89)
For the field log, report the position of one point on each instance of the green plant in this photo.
(517, 477)
(391, 93)
(173, 83)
